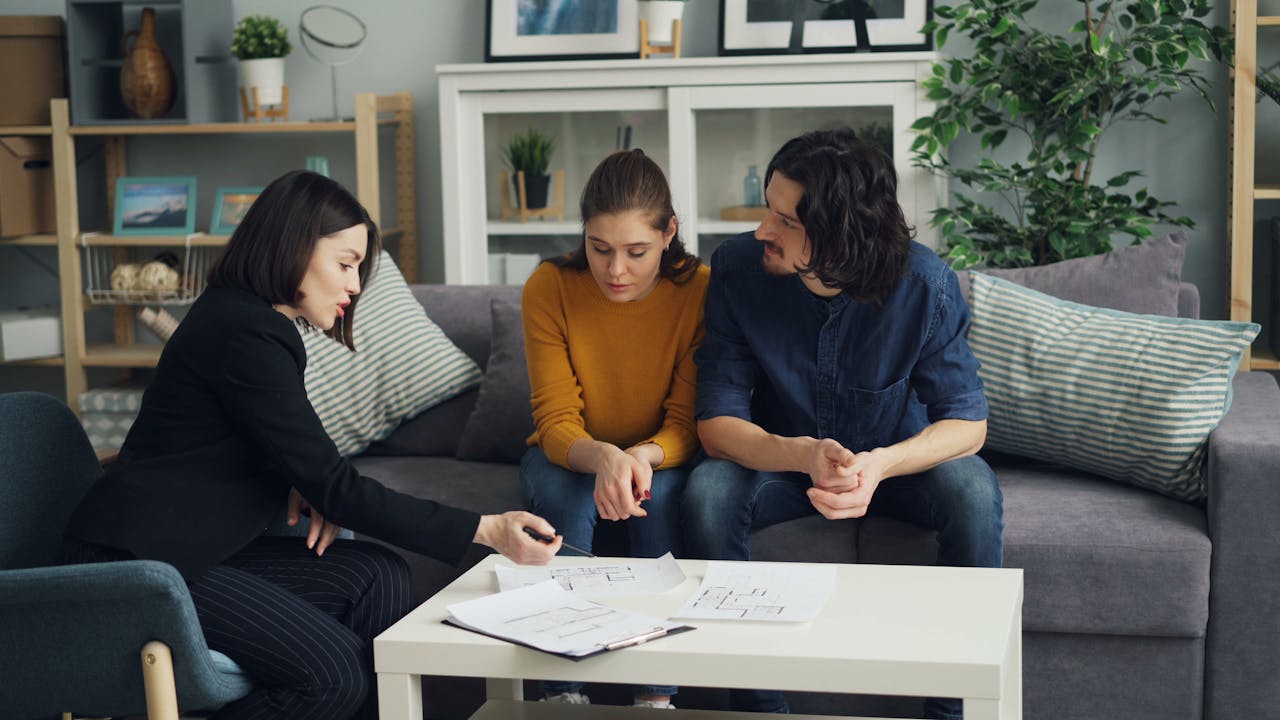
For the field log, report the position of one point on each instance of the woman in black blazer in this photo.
(226, 438)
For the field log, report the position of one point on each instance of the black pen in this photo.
(549, 539)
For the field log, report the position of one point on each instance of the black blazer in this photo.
(224, 431)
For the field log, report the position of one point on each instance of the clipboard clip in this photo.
(637, 640)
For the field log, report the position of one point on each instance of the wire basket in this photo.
(171, 275)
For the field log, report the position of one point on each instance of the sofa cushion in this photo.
(1130, 397)
(1098, 558)
(502, 420)
(433, 432)
(462, 312)
(1139, 278)
(403, 365)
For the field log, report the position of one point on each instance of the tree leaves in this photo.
(1046, 100)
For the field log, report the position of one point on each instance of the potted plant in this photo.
(1045, 100)
(530, 153)
(261, 43)
(660, 14)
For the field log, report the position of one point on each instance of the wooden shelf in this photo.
(121, 356)
(1266, 192)
(1263, 359)
(196, 240)
(538, 227)
(1272, 20)
(216, 128)
(39, 362)
(26, 130)
(45, 240)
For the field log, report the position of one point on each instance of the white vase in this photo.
(266, 74)
(659, 14)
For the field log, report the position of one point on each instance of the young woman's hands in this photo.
(622, 480)
(505, 533)
(322, 532)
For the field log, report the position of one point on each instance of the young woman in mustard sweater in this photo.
(610, 331)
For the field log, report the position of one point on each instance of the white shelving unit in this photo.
(703, 119)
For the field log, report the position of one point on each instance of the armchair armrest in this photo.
(1242, 658)
(73, 635)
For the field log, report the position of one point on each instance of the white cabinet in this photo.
(704, 120)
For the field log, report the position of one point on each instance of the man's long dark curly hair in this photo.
(858, 238)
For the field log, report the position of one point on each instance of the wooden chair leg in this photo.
(157, 679)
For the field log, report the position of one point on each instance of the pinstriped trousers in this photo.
(301, 626)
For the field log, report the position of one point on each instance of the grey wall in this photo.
(1185, 161)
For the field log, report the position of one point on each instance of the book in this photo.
(549, 618)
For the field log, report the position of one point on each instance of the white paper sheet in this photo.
(780, 592)
(548, 617)
(636, 576)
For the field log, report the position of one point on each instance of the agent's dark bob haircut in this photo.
(859, 240)
(270, 249)
(629, 180)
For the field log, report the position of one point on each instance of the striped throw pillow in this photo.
(1129, 397)
(403, 365)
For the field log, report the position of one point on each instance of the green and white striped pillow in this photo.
(403, 365)
(1129, 397)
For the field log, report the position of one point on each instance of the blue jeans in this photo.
(566, 499)
(961, 500)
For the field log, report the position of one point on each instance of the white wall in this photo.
(1185, 161)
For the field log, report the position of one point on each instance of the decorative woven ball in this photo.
(124, 278)
(156, 276)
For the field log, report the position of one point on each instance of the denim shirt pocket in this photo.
(876, 414)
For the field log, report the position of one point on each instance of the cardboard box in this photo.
(33, 57)
(26, 186)
(30, 334)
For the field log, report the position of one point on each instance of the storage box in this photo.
(26, 186)
(32, 55)
(30, 334)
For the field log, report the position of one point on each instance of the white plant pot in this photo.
(660, 13)
(266, 74)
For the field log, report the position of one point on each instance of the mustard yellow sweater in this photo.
(620, 373)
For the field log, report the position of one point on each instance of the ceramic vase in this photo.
(147, 84)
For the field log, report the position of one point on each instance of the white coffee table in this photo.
(885, 630)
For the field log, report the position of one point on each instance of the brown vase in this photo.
(147, 85)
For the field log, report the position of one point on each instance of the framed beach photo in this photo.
(561, 30)
(155, 206)
(229, 208)
(762, 27)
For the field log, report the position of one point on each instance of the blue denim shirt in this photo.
(798, 364)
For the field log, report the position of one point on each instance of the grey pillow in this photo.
(503, 419)
(1140, 279)
(435, 432)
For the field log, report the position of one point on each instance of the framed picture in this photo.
(229, 208)
(561, 30)
(155, 206)
(762, 27)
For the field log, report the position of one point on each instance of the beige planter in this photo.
(660, 13)
(266, 74)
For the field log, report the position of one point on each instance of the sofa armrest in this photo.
(1242, 657)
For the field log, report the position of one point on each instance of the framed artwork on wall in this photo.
(229, 208)
(561, 30)
(763, 27)
(155, 206)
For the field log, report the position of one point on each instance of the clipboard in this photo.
(546, 617)
(657, 632)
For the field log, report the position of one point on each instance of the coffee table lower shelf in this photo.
(523, 710)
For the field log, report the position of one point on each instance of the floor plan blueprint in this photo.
(783, 592)
(631, 576)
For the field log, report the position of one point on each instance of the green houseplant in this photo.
(530, 152)
(261, 43)
(1039, 103)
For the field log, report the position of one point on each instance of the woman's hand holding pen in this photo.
(506, 534)
(322, 533)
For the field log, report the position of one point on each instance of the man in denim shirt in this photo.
(835, 377)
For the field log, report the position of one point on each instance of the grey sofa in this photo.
(1136, 605)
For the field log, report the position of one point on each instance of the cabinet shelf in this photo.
(121, 356)
(194, 240)
(498, 227)
(26, 130)
(46, 240)
(1266, 192)
(726, 227)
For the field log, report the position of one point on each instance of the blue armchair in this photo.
(116, 638)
